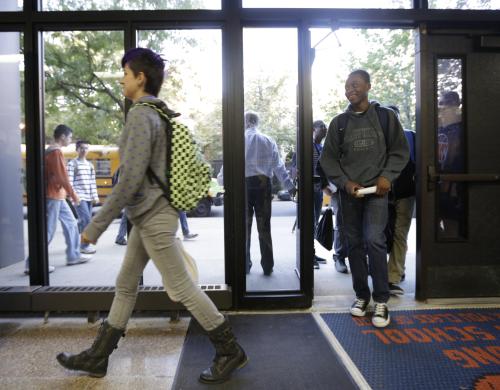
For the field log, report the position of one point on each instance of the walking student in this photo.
(153, 234)
(360, 152)
(81, 175)
(58, 188)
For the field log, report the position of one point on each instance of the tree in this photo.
(82, 71)
(389, 58)
(268, 96)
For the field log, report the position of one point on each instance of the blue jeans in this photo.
(122, 230)
(339, 242)
(318, 203)
(184, 223)
(59, 210)
(364, 221)
(84, 210)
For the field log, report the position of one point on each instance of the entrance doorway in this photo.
(388, 55)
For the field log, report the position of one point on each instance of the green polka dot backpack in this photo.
(188, 174)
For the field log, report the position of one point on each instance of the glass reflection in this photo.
(451, 149)
(327, 4)
(82, 93)
(77, 5)
(13, 226)
(270, 69)
(194, 66)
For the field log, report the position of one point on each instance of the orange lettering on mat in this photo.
(461, 358)
(481, 355)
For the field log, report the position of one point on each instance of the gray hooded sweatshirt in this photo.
(364, 155)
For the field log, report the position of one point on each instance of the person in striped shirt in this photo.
(81, 174)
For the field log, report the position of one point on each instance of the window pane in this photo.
(78, 5)
(465, 4)
(327, 4)
(82, 70)
(11, 5)
(451, 149)
(270, 81)
(13, 226)
(193, 88)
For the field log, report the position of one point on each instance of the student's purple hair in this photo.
(148, 62)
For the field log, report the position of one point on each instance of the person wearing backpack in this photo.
(362, 153)
(143, 146)
(403, 198)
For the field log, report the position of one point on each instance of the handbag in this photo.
(324, 229)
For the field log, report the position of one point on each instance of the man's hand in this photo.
(85, 240)
(383, 186)
(351, 187)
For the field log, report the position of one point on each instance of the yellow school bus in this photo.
(105, 159)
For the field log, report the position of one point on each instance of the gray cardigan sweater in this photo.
(142, 144)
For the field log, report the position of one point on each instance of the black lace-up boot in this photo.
(94, 360)
(229, 355)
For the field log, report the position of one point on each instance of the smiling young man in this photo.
(359, 153)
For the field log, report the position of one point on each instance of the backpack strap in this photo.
(342, 120)
(383, 118)
(153, 177)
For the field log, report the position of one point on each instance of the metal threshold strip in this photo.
(98, 298)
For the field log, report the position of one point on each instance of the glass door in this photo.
(460, 167)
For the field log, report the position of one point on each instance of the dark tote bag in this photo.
(72, 208)
(324, 230)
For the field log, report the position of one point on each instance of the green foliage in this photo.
(266, 95)
(93, 5)
(82, 71)
(389, 59)
(77, 91)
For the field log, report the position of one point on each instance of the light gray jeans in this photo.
(155, 238)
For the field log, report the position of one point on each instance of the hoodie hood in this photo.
(373, 103)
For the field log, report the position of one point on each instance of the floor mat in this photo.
(424, 349)
(286, 351)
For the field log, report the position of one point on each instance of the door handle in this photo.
(433, 177)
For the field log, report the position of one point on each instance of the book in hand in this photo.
(366, 190)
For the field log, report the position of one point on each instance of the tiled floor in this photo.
(145, 359)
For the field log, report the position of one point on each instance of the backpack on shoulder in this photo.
(188, 174)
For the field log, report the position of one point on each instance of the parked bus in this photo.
(106, 161)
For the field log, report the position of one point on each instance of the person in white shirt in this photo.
(81, 174)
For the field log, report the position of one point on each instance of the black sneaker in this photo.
(381, 317)
(358, 308)
(340, 266)
(394, 289)
(320, 259)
